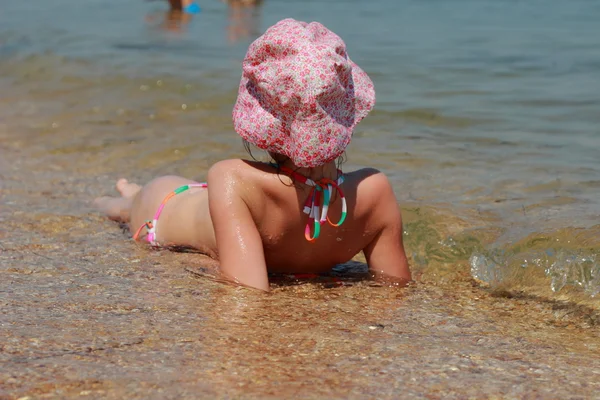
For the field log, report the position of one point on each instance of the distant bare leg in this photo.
(119, 208)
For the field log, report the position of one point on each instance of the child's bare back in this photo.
(299, 214)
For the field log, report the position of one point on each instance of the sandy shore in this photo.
(86, 313)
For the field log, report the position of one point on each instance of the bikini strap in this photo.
(151, 225)
(317, 203)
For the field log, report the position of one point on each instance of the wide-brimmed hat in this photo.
(300, 95)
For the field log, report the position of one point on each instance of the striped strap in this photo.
(318, 200)
(151, 225)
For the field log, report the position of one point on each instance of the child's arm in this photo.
(241, 253)
(385, 254)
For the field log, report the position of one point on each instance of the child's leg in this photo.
(118, 208)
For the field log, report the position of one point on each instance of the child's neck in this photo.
(328, 170)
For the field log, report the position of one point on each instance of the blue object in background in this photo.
(193, 8)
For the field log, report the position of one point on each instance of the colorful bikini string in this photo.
(316, 205)
(151, 225)
(318, 199)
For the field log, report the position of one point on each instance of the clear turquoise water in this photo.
(488, 112)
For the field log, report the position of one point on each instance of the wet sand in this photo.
(87, 313)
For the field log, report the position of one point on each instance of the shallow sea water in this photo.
(486, 122)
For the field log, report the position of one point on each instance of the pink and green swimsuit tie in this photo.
(319, 199)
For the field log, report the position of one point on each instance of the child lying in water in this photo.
(299, 99)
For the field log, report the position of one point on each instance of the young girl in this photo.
(299, 99)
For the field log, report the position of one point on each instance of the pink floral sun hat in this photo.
(300, 95)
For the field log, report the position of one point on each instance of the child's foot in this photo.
(127, 189)
(117, 208)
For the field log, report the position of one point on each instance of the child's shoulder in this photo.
(371, 182)
(241, 176)
(374, 193)
(370, 179)
(237, 168)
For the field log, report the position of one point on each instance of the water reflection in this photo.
(176, 18)
(244, 19)
(172, 21)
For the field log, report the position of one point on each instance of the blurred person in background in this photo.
(244, 19)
